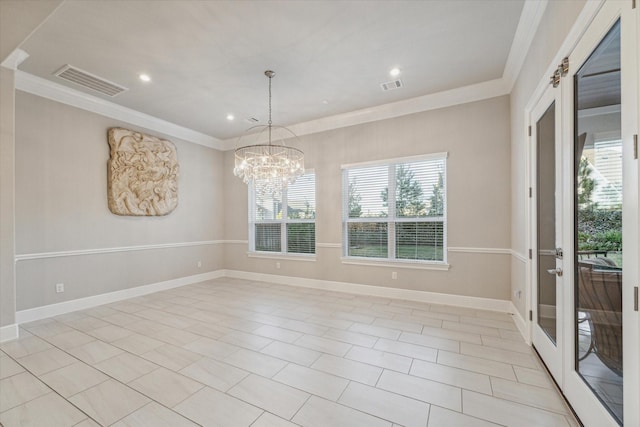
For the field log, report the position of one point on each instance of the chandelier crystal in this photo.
(269, 168)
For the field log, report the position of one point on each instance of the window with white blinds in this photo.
(396, 210)
(284, 224)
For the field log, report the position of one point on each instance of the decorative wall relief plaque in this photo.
(142, 178)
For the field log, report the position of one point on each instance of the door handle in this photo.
(555, 271)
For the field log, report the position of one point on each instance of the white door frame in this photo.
(551, 353)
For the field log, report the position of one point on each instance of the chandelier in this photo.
(269, 168)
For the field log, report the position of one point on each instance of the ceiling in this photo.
(207, 58)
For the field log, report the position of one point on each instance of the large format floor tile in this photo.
(237, 353)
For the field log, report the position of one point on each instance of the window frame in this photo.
(391, 219)
(283, 222)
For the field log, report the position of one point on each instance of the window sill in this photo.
(434, 265)
(280, 255)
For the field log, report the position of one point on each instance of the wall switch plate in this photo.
(277, 265)
(199, 264)
(59, 287)
(394, 275)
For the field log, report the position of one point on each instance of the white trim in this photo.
(517, 255)
(376, 262)
(397, 160)
(502, 251)
(235, 242)
(521, 324)
(530, 19)
(14, 59)
(56, 92)
(504, 306)
(329, 245)
(37, 313)
(278, 255)
(59, 254)
(434, 101)
(9, 332)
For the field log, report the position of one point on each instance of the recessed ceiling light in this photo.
(144, 77)
(230, 117)
(325, 102)
(394, 72)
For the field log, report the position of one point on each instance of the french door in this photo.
(547, 253)
(585, 223)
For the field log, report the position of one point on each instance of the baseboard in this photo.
(379, 291)
(29, 315)
(8, 333)
(520, 323)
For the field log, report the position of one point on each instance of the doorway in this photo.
(589, 335)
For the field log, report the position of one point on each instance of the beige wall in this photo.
(7, 202)
(559, 17)
(476, 136)
(61, 205)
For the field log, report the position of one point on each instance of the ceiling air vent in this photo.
(89, 81)
(251, 120)
(392, 85)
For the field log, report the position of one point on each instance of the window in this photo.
(284, 224)
(396, 210)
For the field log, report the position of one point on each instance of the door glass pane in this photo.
(598, 201)
(546, 187)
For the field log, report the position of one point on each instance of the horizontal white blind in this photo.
(267, 207)
(368, 239)
(301, 198)
(285, 224)
(419, 240)
(301, 237)
(366, 186)
(414, 228)
(268, 237)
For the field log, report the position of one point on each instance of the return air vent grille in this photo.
(392, 85)
(89, 81)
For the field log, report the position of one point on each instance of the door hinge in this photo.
(531, 315)
(530, 253)
(564, 66)
(635, 146)
(633, 4)
(529, 130)
(635, 298)
(530, 192)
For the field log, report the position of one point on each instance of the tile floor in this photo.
(237, 353)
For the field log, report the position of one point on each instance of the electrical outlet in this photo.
(394, 275)
(278, 265)
(199, 264)
(59, 288)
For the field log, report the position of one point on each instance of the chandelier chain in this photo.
(270, 122)
(269, 168)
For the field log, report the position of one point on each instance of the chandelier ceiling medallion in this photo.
(270, 167)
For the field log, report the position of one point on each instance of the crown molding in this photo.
(47, 89)
(530, 19)
(433, 101)
(14, 59)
